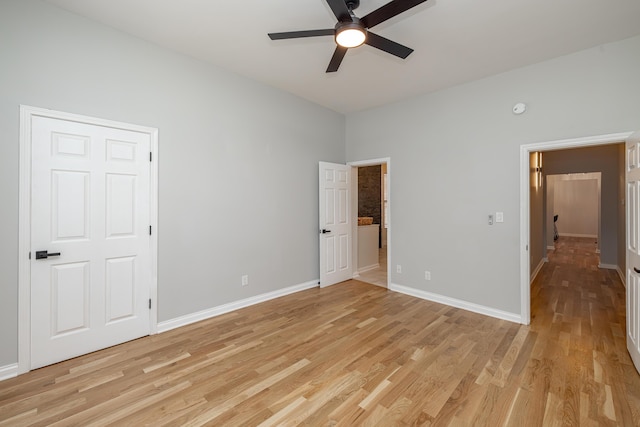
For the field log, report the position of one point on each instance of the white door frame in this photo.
(354, 211)
(24, 225)
(525, 268)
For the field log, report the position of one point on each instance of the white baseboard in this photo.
(592, 236)
(9, 371)
(535, 272)
(232, 306)
(367, 268)
(608, 266)
(623, 279)
(469, 306)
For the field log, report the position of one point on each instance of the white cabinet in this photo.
(368, 236)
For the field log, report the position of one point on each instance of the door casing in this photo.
(354, 211)
(24, 224)
(525, 150)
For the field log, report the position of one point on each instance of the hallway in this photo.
(578, 312)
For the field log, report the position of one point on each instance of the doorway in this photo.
(371, 234)
(527, 178)
(573, 208)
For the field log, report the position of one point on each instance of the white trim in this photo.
(525, 149)
(453, 302)
(537, 270)
(592, 236)
(622, 278)
(373, 162)
(597, 251)
(551, 248)
(608, 266)
(8, 371)
(367, 268)
(24, 222)
(232, 306)
(24, 244)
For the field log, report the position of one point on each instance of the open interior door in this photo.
(335, 223)
(633, 247)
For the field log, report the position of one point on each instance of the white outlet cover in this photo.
(499, 216)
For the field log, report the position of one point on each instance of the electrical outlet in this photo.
(499, 216)
(399, 269)
(427, 275)
(245, 280)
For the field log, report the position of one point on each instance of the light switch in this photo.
(499, 216)
(490, 219)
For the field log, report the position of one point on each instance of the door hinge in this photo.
(149, 303)
(149, 230)
(150, 156)
(29, 255)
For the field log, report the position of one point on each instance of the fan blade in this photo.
(388, 46)
(336, 59)
(300, 34)
(340, 9)
(388, 11)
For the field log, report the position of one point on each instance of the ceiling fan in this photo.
(351, 31)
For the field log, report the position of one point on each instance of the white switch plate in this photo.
(427, 275)
(399, 269)
(499, 216)
(245, 280)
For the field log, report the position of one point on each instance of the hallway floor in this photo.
(578, 312)
(377, 276)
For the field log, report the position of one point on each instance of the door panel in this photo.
(70, 205)
(335, 242)
(121, 199)
(633, 249)
(90, 191)
(70, 298)
(120, 288)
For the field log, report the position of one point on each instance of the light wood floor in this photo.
(357, 354)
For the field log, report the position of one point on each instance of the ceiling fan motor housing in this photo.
(354, 24)
(356, 28)
(353, 4)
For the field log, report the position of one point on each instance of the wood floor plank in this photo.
(357, 354)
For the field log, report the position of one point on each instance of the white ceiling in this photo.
(455, 41)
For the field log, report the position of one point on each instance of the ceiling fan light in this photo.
(351, 35)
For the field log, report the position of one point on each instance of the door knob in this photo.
(45, 254)
(636, 270)
(325, 231)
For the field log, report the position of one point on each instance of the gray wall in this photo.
(238, 160)
(455, 159)
(602, 159)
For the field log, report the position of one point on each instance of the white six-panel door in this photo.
(335, 223)
(90, 194)
(633, 247)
